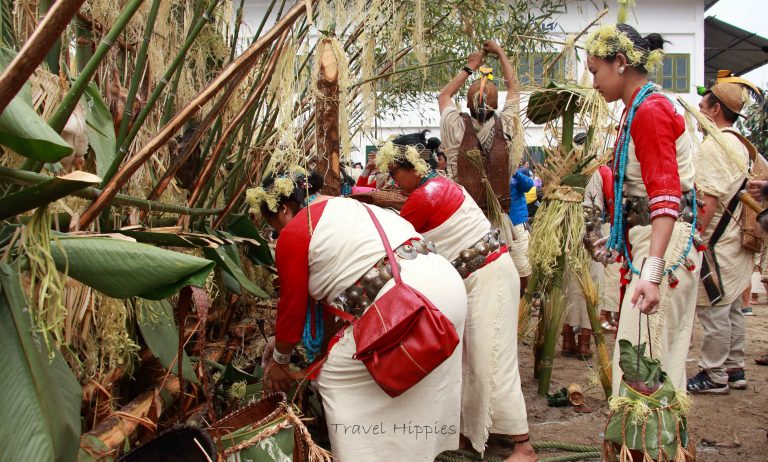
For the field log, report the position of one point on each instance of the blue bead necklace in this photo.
(616, 239)
(431, 174)
(313, 343)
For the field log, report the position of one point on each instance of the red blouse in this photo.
(655, 130)
(432, 203)
(292, 261)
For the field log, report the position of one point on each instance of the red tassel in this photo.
(673, 280)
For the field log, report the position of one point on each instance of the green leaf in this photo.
(122, 269)
(6, 56)
(100, 129)
(25, 132)
(45, 193)
(92, 450)
(161, 333)
(41, 398)
(242, 226)
(227, 264)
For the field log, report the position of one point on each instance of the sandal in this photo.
(762, 361)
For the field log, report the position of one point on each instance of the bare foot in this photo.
(523, 452)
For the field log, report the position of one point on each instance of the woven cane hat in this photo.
(732, 95)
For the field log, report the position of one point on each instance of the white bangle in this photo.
(653, 270)
(281, 358)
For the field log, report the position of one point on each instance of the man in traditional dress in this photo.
(489, 132)
(721, 172)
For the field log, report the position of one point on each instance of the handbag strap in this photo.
(387, 247)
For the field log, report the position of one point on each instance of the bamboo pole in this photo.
(189, 147)
(213, 114)
(60, 117)
(170, 97)
(122, 151)
(244, 61)
(226, 138)
(253, 175)
(327, 110)
(35, 49)
(122, 425)
(138, 71)
(24, 178)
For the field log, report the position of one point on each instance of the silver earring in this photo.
(621, 70)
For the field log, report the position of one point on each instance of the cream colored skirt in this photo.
(492, 400)
(367, 425)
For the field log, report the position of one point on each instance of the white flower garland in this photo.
(389, 154)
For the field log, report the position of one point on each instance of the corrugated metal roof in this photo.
(729, 47)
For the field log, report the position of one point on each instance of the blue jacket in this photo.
(518, 186)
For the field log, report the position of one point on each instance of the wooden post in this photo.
(327, 132)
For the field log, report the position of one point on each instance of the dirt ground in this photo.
(729, 428)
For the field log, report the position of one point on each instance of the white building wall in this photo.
(680, 22)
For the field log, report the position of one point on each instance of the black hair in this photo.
(728, 115)
(647, 44)
(304, 186)
(419, 141)
(441, 154)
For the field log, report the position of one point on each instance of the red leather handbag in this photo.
(402, 337)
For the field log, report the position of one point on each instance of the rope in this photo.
(458, 456)
(582, 452)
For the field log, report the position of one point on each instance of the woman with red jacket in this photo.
(443, 212)
(327, 249)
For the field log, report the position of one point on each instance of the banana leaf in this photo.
(242, 226)
(648, 415)
(100, 129)
(161, 333)
(231, 268)
(41, 398)
(6, 56)
(45, 193)
(122, 269)
(552, 102)
(25, 132)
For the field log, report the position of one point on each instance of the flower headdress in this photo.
(608, 40)
(283, 186)
(391, 153)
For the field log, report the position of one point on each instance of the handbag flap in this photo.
(387, 319)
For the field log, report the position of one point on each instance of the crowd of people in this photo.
(672, 247)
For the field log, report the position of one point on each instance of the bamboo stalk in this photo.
(227, 137)
(603, 359)
(83, 44)
(64, 110)
(554, 306)
(59, 118)
(52, 57)
(170, 98)
(25, 178)
(214, 114)
(236, 32)
(35, 49)
(189, 147)
(138, 71)
(122, 151)
(115, 430)
(244, 61)
(253, 174)
(327, 110)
